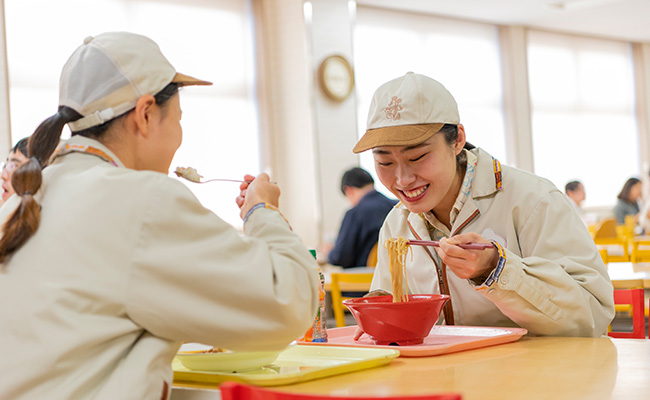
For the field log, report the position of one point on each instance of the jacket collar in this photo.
(488, 180)
(488, 175)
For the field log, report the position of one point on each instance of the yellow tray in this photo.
(296, 364)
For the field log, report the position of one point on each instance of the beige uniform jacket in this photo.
(124, 267)
(553, 282)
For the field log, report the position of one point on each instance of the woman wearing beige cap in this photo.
(543, 272)
(109, 264)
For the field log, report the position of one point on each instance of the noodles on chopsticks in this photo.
(398, 248)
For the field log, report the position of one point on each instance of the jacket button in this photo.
(504, 279)
(491, 292)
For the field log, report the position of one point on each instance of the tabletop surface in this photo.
(531, 368)
(625, 274)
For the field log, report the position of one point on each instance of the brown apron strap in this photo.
(443, 284)
(165, 391)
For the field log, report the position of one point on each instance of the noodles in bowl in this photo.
(398, 248)
(400, 319)
(402, 323)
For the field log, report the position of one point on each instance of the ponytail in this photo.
(27, 179)
(44, 141)
(22, 224)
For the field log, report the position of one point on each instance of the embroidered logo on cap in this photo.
(393, 109)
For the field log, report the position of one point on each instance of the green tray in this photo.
(296, 364)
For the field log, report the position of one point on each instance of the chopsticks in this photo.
(435, 243)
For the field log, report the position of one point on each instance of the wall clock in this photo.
(336, 77)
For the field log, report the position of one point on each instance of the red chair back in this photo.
(633, 297)
(238, 391)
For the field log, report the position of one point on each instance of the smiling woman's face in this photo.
(424, 176)
(14, 160)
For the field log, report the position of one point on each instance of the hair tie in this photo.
(27, 194)
(37, 161)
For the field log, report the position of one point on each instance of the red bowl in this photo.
(404, 323)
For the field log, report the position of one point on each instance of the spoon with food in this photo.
(192, 175)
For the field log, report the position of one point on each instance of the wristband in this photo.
(494, 276)
(483, 282)
(255, 207)
(265, 205)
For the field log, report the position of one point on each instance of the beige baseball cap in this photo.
(108, 73)
(407, 111)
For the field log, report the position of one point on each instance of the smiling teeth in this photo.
(415, 193)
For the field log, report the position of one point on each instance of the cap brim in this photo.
(400, 135)
(186, 80)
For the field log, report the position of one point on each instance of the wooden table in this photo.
(531, 368)
(625, 275)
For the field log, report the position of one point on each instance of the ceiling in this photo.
(627, 20)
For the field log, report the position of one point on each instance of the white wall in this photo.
(285, 84)
(308, 137)
(5, 123)
(335, 123)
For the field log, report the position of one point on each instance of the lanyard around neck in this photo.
(443, 283)
(67, 148)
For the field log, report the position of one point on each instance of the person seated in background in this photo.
(576, 193)
(644, 219)
(360, 227)
(628, 201)
(17, 157)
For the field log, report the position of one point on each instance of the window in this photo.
(463, 56)
(583, 122)
(220, 122)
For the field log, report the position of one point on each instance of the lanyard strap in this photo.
(443, 284)
(80, 148)
(496, 165)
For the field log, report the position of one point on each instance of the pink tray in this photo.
(441, 339)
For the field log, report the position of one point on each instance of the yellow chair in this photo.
(348, 282)
(612, 238)
(639, 255)
(604, 255)
(640, 249)
(626, 231)
(372, 257)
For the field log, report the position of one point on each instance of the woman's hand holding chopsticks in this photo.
(467, 263)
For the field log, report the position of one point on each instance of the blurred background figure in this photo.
(575, 191)
(359, 230)
(628, 201)
(17, 157)
(644, 217)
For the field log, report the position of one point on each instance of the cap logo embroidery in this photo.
(393, 109)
